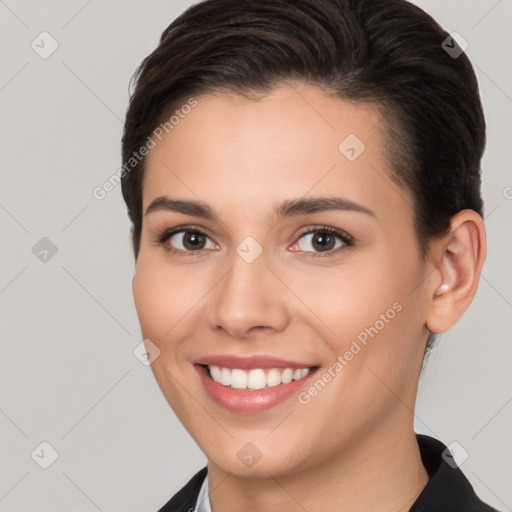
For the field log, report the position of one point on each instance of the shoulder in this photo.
(448, 489)
(185, 499)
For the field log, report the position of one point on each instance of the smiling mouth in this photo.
(257, 378)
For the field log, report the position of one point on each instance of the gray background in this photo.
(69, 326)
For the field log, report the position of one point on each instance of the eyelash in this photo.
(164, 236)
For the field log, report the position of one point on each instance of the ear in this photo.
(460, 257)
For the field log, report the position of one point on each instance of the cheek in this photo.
(349, 299)
(162, 297)
(148, 293)
(367, 310)
(159, 301)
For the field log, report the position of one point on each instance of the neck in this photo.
(383, 473)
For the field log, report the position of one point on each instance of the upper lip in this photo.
(246, 363)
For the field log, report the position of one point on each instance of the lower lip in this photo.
(242, 400)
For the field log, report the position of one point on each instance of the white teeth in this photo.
(257, 378)
(215, 371)
(225, 377)
(273, 377)
(287, 376)
(238, 379)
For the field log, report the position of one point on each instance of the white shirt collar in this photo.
(203, 499)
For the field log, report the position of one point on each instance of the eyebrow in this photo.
(288, 208)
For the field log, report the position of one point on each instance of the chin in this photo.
(261, 469)
(253, 460)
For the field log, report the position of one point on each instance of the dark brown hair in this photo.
(386, 52)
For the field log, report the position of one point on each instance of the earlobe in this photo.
(455, 278)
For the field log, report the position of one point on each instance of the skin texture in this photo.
(352, 447)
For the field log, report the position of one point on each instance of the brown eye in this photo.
(323, 240)
(186, 240)
(192, 240)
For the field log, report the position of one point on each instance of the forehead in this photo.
(290, 142)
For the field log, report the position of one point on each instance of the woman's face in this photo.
(348, 304)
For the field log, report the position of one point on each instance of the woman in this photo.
(303, 180)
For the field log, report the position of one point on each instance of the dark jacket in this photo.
(448, 490)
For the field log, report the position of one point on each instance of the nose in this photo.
(250, 299)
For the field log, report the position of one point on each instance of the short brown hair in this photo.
(386, 52)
